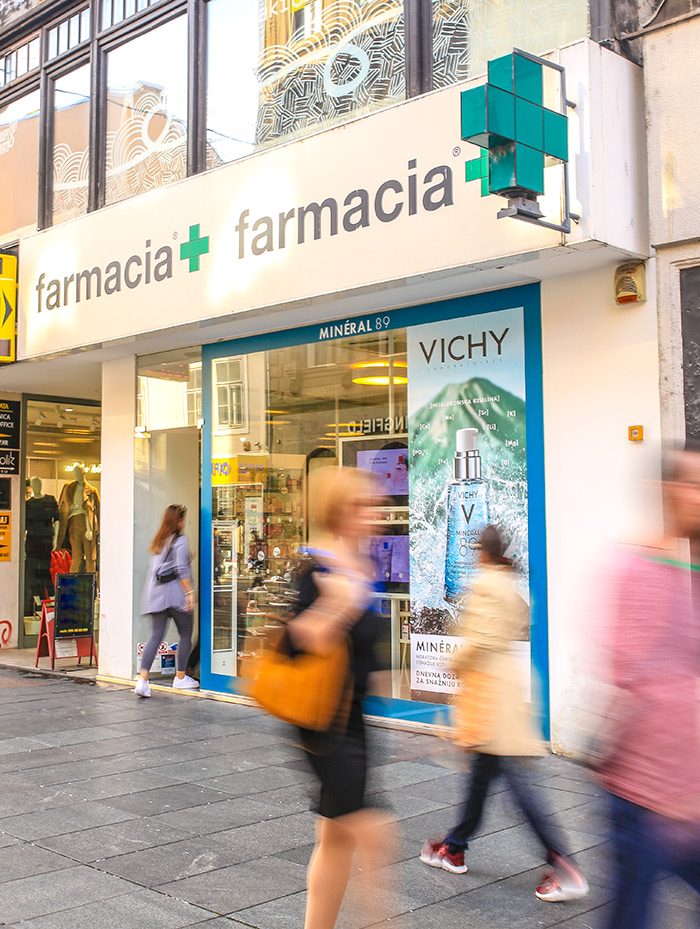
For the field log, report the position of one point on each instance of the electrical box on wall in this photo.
(635, 433)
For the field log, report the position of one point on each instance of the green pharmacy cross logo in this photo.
(197, 245)
(519, 135)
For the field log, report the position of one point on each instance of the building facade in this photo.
(262, 243)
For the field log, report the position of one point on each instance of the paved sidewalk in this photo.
(185, 812)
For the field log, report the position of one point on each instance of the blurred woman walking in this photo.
(169, 595)
(335, 605)
(495, 724)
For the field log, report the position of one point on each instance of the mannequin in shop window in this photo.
(41, 515)
(79, 518)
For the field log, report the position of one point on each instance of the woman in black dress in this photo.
(335, 603)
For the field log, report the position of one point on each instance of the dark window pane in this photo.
(690, 315)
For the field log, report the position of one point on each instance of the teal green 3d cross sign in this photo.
(518, 135)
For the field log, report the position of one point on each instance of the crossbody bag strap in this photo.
(167, 555)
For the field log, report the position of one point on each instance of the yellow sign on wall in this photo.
(8, 307)
(5, 546)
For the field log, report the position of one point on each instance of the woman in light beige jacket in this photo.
(495, 723)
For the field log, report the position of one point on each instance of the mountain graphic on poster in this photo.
(502, 430)
(500, 418)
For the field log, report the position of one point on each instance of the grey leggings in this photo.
(159, 621)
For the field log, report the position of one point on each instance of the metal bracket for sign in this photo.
(528, 211)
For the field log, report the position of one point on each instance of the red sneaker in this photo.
(438, 855)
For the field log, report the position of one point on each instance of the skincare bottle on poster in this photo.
(467, 516)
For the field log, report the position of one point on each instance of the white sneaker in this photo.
(185, 683)
(143, 688)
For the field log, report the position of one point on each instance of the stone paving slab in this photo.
(27, 897)
(227, 890)
(184, 812)
(115, 839)
(141, 910)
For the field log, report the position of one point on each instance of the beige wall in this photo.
(600, 375)
(117, 538)
(672, 81)
(672, 85)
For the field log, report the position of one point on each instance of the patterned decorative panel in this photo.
(146, 132)
(326, 61)
(71, 145)
(149, 147)
(469, 33)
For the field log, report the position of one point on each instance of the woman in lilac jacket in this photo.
(169, 595)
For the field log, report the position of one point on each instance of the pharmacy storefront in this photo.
(352, 299)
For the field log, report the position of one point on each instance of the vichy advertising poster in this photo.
(468, 467)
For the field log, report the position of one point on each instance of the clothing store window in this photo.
(62, 508)
(167, 460)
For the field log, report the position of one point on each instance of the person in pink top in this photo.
(651, 766)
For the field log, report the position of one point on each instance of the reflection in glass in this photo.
(166, 456)
(467, 34)
(19, 163)
(147, 112)
(302, 409)
(297, 68)
(71, 145)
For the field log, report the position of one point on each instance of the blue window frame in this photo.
(526, 297)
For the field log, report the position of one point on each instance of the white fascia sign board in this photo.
(381, 199)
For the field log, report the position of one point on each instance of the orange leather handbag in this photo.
(309, 691)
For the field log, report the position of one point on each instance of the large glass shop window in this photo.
(438, 412)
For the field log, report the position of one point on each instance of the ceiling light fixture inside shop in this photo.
(379, 373)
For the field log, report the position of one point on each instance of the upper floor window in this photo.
(193, 395)
(230, 393)
(68, 34)
(114, 11)
(20, 61)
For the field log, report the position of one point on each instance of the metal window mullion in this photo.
(98, 116)
(45, 167)
(196, 86)
(418, 42)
